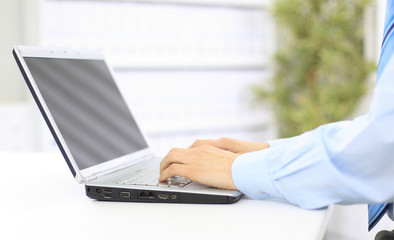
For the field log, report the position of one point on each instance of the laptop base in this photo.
(153, 196)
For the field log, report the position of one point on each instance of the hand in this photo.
(204, 164)
(232, 145)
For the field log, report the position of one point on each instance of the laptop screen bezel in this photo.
(80, 175)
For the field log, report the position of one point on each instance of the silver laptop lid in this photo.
(83, 107)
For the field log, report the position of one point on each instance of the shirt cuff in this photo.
(251, 176)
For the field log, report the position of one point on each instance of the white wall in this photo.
(66, 23)
(19, 25)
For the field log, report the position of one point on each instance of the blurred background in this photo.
(185, 67)
(190, 69)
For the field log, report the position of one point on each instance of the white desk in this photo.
(41, 200)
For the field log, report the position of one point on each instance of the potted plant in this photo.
(319, 68)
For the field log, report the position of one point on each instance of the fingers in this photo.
(232, 145)
(174, 170)
(175, 155)
(221, 143)
(204, 164)
(180, 159)
(201, 142)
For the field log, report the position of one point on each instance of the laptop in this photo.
(97, 133)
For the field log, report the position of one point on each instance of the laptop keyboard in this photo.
(149, 177)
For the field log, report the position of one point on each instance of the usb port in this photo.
(125, 194)
(107, 193)
(106, 190)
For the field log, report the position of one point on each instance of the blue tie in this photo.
(377, 211)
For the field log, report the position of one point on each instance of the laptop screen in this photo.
(88, 109)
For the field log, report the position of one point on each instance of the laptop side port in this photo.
(162, 196)
(151, 195)
(124, 194)
(106, 190)
(107, 193)
(145, 195)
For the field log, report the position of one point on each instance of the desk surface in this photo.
(41, 200)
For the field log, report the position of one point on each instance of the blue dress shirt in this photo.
(345, 162)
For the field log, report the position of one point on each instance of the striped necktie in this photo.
(377, 211)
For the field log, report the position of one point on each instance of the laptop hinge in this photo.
(90, 178)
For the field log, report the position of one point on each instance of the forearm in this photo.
(343, 162)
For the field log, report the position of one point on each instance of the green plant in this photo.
(320, 70)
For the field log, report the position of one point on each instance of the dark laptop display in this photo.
(88, 109)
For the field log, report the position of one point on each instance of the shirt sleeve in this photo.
(344, 162)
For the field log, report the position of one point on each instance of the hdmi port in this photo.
(163, 196)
